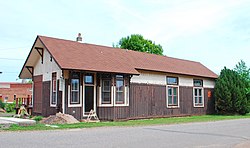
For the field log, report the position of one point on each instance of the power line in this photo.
(10, 59)
(13, 48)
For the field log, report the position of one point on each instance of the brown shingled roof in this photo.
(82, 56)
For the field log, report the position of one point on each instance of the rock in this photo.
(60, 118)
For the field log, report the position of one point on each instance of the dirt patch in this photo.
(245, 144)
(60, 118)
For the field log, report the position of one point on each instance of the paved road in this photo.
(231, 133)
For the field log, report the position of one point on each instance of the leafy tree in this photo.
(230, 93)
(244, 72)
(138, 43)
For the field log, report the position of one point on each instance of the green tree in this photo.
(244, 72)
(138, 43)
(230, 93)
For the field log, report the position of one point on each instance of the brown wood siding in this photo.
(150, 101)
(146, 100)
(210, 101)
(47, 110)
(74, 111)
(37, 98)
(105, 113)
(121, 112)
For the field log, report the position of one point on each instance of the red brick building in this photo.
(9, 89)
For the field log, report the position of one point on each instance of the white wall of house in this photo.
(47, 68)
(146, 77)
(159, 78)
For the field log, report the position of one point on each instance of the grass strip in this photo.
(141, 122)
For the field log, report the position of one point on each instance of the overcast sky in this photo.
(213, 32)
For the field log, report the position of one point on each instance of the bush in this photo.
(230, 93)
(2, 104)
(37, 118)
(10, 107)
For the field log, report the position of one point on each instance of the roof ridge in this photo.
(91, 44)
(58, 38)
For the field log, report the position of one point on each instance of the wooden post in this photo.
(28, 101)
(16, 99)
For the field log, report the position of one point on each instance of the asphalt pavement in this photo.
(229, 133)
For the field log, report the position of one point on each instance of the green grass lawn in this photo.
(142, 122)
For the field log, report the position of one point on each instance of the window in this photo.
(198, 97)
(6, 99)
(119, 89)
(172, 80)
(198, 93)
(54, 88)
(88, 79)
(75, 88)
(106, 91)
(172, 96)
(198, 83)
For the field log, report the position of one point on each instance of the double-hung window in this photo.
(198, 95)
(75, 88)
(54, 90)
(119, 99)
(172, 92)
(172, 96)
(106, 91)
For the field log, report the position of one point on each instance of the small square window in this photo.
(88, 79)
(172, 80)
(198, 83)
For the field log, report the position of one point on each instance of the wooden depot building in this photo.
(119, 84)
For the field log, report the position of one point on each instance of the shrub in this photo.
(2, 104)
(37, 118)
(10, 107)
(230, 93)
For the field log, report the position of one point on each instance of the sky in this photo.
(213, 32)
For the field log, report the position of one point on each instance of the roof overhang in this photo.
(30, 62)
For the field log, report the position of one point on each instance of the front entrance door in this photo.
(89, 98)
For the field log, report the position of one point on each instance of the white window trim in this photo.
(63, 94)
(194, 104)
(32, 95)
(178, 97)
(83, 94)
(124, 93)
(100, 96)
(126, 98)
(69, 97)
(51, 92)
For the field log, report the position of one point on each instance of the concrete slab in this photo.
(5, 124)
(21, 122)
(6, 114)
